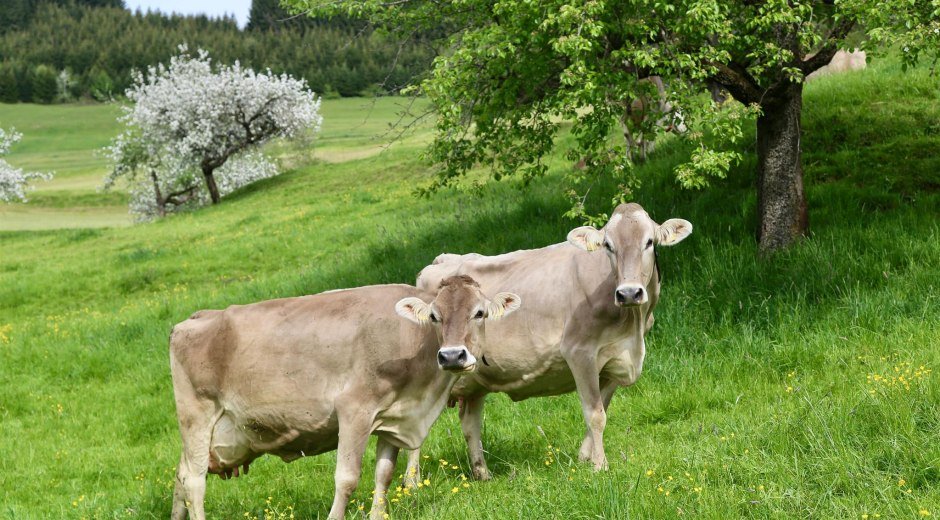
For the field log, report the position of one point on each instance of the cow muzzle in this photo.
(456, 359)
(629, 295)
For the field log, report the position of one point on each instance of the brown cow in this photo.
(296, 377)
(589, 303)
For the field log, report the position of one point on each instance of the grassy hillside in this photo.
(67, 139)
(773, 388)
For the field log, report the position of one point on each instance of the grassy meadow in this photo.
(799, 386)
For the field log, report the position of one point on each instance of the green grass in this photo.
(767, 390)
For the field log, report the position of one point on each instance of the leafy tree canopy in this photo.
(520, 70)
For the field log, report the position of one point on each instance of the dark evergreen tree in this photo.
(9, 89)
(24, 81)
(45, 85)
(266, 15)
(15, 14)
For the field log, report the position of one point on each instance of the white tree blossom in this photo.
(193, 131)
(14, 181)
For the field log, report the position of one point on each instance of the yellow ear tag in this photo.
(424, 315)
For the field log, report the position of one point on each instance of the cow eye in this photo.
(608, 246)
(434, 318)
(649, 243)
(478, 315)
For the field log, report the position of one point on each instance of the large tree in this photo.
(518, 70)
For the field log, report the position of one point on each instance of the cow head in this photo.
(459, 311)
(628, 239)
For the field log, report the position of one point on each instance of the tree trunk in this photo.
(210, 183)
(161, 203)
(781, 202)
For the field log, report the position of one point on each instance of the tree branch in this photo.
(824, 55)
(737, 82)
(174, 198)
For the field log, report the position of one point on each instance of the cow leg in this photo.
(353, 437)
(587, 445)
(627, 136)
(471, 422)
(190, 490)
(587, 380)
(385, 456)
(413, 471)
(196, 418)
(645, 146)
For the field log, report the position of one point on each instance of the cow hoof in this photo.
(601, 466)
(585, 453)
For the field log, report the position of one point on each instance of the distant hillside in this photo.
(57, 50)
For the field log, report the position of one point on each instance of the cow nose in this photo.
(630, 295)
(455, 358)
(451, 358)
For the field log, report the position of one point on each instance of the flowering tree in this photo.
(14, 181)
(187, 122)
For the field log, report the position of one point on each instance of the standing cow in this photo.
(647, 113)
(301, 376)
(589, 303)
(842, 61)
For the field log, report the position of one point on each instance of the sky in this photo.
(239, 8)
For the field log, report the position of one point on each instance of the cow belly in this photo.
(236, 442)
(551, 378)
(547, 385)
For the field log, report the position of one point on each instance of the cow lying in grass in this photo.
(589, 303)
(301, 376)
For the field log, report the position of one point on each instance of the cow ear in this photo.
(502, 304)
(586, 237)
(673, 231)
(414, 309)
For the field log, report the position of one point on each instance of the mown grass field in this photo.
(799, 386)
